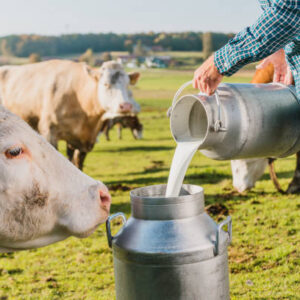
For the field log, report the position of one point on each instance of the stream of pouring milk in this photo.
(183, 155)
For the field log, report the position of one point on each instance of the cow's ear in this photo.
(95, 73)
(134, 77)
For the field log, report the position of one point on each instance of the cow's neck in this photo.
(88, 98)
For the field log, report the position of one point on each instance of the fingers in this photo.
(207, 77)
(195, 83)
(278, 77)
(280, 73)
(206, 87)
(289, 80)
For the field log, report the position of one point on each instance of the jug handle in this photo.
(218, 124)
(228, 222)
(110, 237)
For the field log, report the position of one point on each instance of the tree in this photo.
(207, 44)
(5, 49)
(106, 56)
(88, 57)
(34, 58)
(139, 50)
(128, 44)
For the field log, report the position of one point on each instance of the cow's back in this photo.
(264, 75)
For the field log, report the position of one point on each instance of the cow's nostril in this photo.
(105, 199)
(126, 107)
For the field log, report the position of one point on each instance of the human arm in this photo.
(278, 25)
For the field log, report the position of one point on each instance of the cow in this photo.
(246, 172)
(132, 122)
(44, 198)
(65, 100)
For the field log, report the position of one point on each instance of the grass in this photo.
(264, 255)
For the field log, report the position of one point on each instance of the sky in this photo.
(54, 17)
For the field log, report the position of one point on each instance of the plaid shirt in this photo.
(278, 27)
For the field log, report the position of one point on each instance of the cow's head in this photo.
(113, 93)
(135, 125)
(245, 172)
(43, 197)
(138, 132)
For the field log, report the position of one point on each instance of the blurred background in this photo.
(155, 34)
(165, 41)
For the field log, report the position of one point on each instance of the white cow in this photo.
(43, 197)
(245, 172)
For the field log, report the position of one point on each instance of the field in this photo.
(264, 255)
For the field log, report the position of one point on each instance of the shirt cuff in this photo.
(223, 63)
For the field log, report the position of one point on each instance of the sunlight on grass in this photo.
(264, 255)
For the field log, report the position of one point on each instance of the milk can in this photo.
(170, 249)
(240, 121)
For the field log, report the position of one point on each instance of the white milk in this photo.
(183, 155)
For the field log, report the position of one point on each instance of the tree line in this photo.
(24, 45)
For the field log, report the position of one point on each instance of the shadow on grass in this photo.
(120, 207)
(140, 181)
(233, 195)
(135, 148)
(149, 171)
(285, 174)
(226, 196)
(198, 179)
(207, 177)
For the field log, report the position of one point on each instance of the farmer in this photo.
(275, 37)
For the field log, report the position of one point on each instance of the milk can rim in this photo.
(198, 195)
(204, 105)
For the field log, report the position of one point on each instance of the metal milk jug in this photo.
(170, 249)
(239, 121)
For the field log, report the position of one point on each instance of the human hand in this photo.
(282, 72)
(207, 77)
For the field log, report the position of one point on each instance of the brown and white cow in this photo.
(43, 197)
(246, 172)
(65, 100)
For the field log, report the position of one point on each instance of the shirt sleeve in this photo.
(278, 25)
(292, 52)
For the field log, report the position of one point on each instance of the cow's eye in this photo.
(14, 152)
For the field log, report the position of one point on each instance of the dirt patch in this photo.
(217, 209)
(119, 187)
(255, 202)
(155, 164)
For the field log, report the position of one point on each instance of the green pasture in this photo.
(264, 255)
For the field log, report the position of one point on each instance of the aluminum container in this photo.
(240, 121)
(170, 249)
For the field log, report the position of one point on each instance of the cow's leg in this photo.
(82, 156)
(78, 158)
(106, 132)
(70, 152)
(294, 186)
(119, 131)
(274, 176)
(109, 125)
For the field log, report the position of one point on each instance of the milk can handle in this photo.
(108, 228)
(218, 124)
(228, 222)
